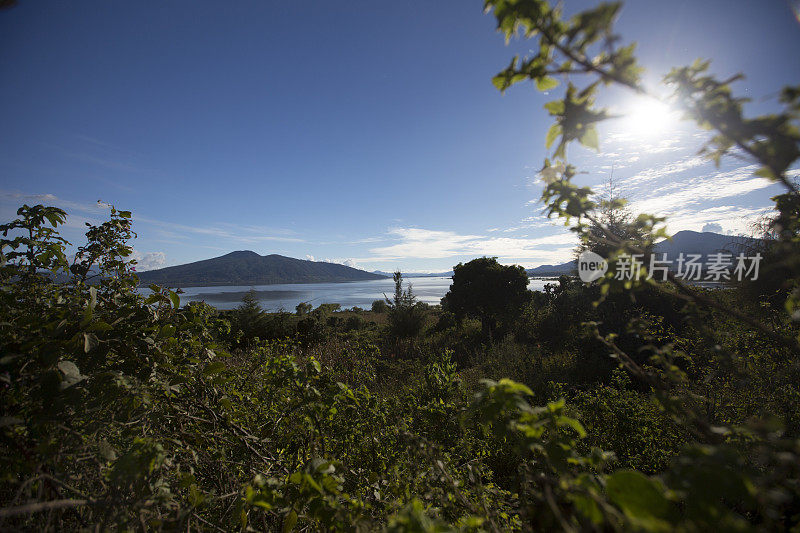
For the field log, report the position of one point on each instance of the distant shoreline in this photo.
(146, 285)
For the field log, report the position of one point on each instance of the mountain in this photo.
(686, 242)
(249, 268)
(547, 271)
(694, 242)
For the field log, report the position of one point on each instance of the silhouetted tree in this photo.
(486, 290)
(776, 238)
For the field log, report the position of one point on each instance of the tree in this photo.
(303, 308)
(249, 316)
(610, 216)
(406, 314)
(777, 241)
(379, 306)
(486, 290)
(326, 309)
(40, 247)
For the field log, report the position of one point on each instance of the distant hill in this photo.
(553, 270)
(249, 268)
(687, 242)
(695, 242)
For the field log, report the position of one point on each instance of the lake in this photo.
(350, 294)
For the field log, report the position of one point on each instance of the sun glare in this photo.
(648, 117)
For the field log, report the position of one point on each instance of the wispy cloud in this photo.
(733, 219)
(424, 244)
(98, 211)
(676, 167)
(679, 195)
(235, 233)
(530, 223)
(418, 243)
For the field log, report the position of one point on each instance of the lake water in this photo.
(350, 294)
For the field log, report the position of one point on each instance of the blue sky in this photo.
(367, 133)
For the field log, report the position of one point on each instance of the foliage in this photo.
(123, 410)
(586, 45)
(406, 314)
(379, 306)
(486, 290)
(36, 245)
(610, 216)
(248, 319)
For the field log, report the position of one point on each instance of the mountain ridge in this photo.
(245, 267)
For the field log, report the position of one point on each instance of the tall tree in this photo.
(249, 316)
(611, 216)
(486, 290)
(406, 314)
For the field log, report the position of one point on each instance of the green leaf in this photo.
(765, 172)
(556, 107)
(589, 138)
(638, 496)
(196, 496)
(552, 135)
(289, 522)
(176, 300)
(514, 387)
(545, 83)
(587, 507)
(574, 424)
(214, 367)
(499, 82)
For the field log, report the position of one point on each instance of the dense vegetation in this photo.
(635, 405)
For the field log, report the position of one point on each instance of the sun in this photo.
(648, 117)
